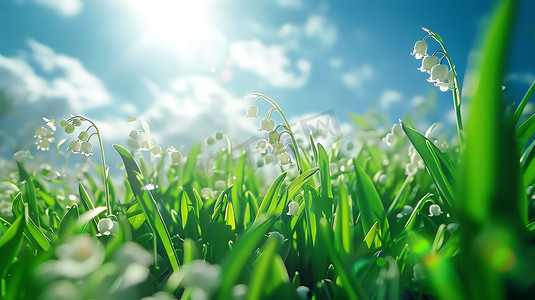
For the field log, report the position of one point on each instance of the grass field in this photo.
(405, 216)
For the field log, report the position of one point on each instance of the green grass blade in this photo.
(69, 223)
(525, 131)
(294, 188)
(148, 205)
(325, 175)
(238, 200)
(29, 195)
(437, 163)
(11, 241)
(271, 195)
(265, 282)
(343, 221)
(236, 261)
(522, 105)
(86, 201)
(353, 290)
(369, 203)
(490, 190)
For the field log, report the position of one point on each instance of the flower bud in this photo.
(63, 123)
(43, 145)
(220, 185)
(434, 210)
(268, 159)
(420, 49)
(252, 111)
(284, 158)
(277, 235)
(261, 144)
(383, 178)
(86, 148)
(428, 62)
(131, 119)
(134, 134)
(278, 148)
(219, 135)
(273, 137)
(156, 150)
(40, 132)
(176, 157)
(397, 130)
(77, 122)
(267, 124)
(411, 169)
(83, 136)
(74, 146)
(69, 128)
(390, 139)
(209, 141)
(144, 145)
(438, 73)
(259, 163)
(293, 208)
(104, 226)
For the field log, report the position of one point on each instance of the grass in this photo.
(442, 222)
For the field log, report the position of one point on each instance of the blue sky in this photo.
(186, 67)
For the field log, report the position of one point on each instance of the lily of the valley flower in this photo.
(252, 111)
(439, 73)
(278, 148)
(86, 148)
(428, 62)
(273, 137)
(420, 49)
(74, 146)
(176, 156)
(105, 226)
(293, 208)
(83, 136)
(446, 84)
(284, 158)
(434, 210)
(267, 124)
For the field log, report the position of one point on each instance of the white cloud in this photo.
(320, 28)
(356, 79)
(67, 8)
(65, 84)
(522, 77)
(336, 62)
(194, 107)
(389, 97)
(290, 3)
(270, 63)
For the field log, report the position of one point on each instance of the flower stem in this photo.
(456, 90)
(103, 161)
(287, 126)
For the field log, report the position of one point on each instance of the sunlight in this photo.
(175, 23)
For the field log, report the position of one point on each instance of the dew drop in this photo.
(234, 177)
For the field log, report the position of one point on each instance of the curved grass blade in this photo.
(265, 283)
(369, 203)
(11, 241)
(343, 221)
(525, 131)
(522, 105)
(353, 290)
(189, 169)
(86, 201)
(69, 223)
(237, 259)
(294, 188)
(325, 175)
(271, 196)
(437, 163)
(29, 195)
(148, 205)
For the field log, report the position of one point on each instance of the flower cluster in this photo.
(440, 75)
(45, 135)
(141, 140)
(272, 146)
(392, 137)
(81, 144)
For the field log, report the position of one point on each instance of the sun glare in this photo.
(174, 22)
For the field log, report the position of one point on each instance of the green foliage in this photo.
(444, 222)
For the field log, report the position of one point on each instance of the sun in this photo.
(178, 23)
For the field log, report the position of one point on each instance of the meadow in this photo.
(408, 215)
